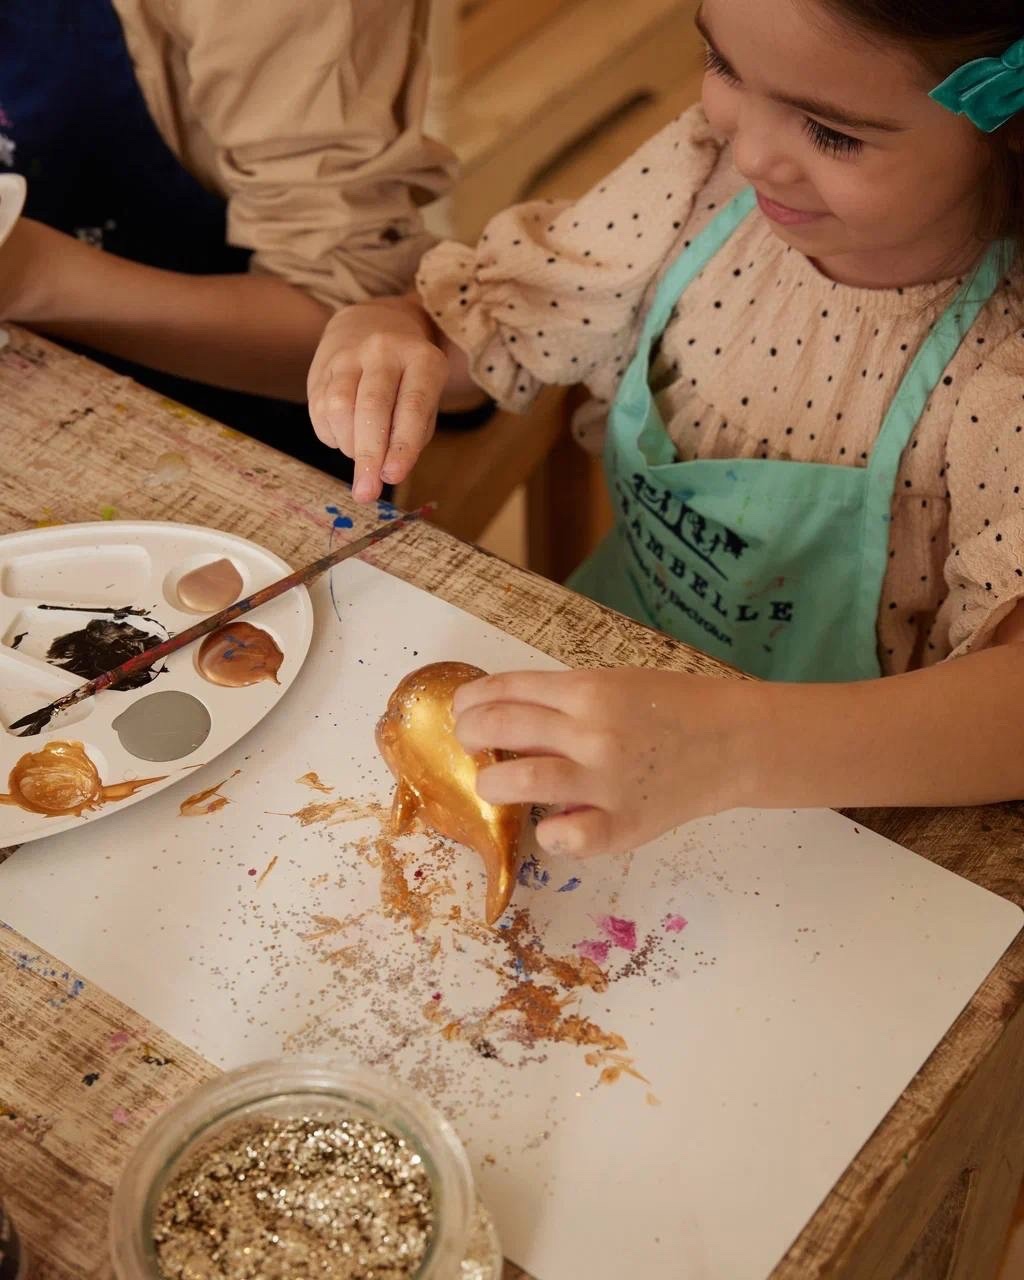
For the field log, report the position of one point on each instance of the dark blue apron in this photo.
(74, 122)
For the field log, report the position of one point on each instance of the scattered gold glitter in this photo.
(271, 1199)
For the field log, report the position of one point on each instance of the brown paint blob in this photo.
(436, 776)
(238, 655)
(61, 781)
(210, 588)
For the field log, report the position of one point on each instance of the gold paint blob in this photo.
(61, 781)
(436, 777)
(210, 588)
(238, 655)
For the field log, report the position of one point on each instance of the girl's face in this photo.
(854, 165)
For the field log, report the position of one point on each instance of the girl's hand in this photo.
(627, 754)
(374, 388)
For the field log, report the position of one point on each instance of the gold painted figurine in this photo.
(436, 777)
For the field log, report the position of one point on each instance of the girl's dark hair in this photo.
(944, 34)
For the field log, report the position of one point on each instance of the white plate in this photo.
(12, 201)
(114, 565)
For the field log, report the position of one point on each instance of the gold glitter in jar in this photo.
(272, 1198)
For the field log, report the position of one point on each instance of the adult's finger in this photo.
(332, 408)
(419, 396)
(374, 409)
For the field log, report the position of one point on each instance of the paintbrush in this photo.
(36, 721)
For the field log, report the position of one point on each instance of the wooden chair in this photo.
(472, 474)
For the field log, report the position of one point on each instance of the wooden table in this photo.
(929, 1196)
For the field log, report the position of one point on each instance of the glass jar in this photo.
(464, 1244)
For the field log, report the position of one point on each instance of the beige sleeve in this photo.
(313, 115)
(553, 292)
(985, 471)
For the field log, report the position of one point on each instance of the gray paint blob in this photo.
(163, 726)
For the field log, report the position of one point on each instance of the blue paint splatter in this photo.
(385, 510)
(569, 885)
(36, 964)
(339, 520)
(532, 875)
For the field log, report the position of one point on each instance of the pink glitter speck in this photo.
(675, 924)
(436, 996)
(594, 950)
(120, 1116)
(621, 933)
(252, 871)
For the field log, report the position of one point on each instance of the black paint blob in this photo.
(101, 645)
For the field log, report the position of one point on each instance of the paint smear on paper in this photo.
(331, 813)
(313, 781)
(675, 924)
(594, 950)
(532, 875)
(267, 870)
(619, 932)
(206, 802)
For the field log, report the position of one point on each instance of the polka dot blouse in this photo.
(764, 358)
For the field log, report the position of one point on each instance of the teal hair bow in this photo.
(988, 91)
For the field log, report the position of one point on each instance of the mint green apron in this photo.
(775, 567)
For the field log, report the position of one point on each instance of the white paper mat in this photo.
(777, 979)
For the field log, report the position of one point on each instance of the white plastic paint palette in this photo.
(62, 588)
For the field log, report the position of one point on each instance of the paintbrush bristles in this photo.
(36, 721)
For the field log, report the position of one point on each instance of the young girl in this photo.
(803, 304)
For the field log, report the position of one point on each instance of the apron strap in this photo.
(691, 262)
(929, 365)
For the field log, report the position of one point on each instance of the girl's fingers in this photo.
(374, 409)
(552, 689)
(419, 396)
(529, 730)
(583, 833)
(535, 780)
